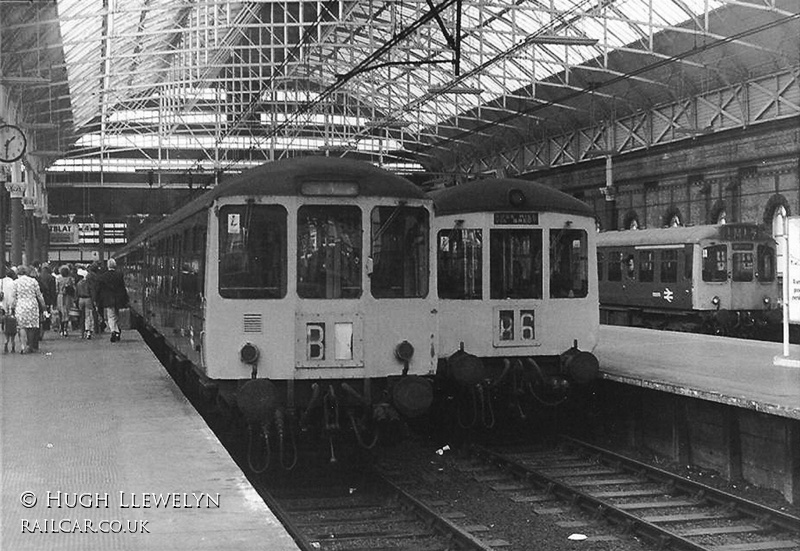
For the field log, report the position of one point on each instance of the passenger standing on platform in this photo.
(113, 295)
(8, 289)
(29, 300)
(47, 283)
(65, 297)
(91, 280)
(85, 303)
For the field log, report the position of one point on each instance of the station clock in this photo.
(12, 143)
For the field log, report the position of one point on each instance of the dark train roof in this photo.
(682, 235)
(286, 177)
(506, 194)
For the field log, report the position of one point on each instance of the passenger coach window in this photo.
(743, 267)
(515, 257)
(569, 273)
(329, 252)
(669, 266)
(460, 263)
(399, 252)
(766, 263)
(715, 263)
(252, 251)
(646, 265)
(615, 266)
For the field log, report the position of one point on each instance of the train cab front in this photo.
(346, 347)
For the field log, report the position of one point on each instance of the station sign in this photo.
(793, 268)
(63, 234)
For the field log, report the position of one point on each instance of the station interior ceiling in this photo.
(182, 93)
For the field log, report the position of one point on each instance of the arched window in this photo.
(631, 221)
(779, 221)
(778, 231)
(673, 218)
(719, 214)
(775, 214)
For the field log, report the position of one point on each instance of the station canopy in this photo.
(212, 87)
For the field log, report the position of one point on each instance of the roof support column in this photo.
(16, 189)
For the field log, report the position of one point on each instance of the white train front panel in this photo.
(521, 284)
(337, 288)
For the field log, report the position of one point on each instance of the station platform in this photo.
(100, 450)
(730, 371)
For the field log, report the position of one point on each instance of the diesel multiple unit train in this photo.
(718, 279)
(325, 296)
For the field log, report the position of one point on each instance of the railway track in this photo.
(668, 510)
(367, 513)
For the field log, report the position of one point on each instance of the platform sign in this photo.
(63, 234)
(793, 268)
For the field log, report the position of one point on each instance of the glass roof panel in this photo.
(311, 67)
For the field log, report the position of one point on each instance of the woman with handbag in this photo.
(29, 301)
(65, 297)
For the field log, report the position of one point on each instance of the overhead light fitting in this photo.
(23, 81)
(335, 148)
(38, 125)
(567, 40)
(693, 131)
(601, 152)
(386, 124)
(462, 90)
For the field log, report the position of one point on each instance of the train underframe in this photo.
(328, 418)
(485, 393)
(747, 324)
(286, 418)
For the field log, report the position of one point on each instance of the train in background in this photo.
(300, 294)
(716, 279)
(518, 298)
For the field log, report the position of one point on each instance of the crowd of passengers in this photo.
(38, 298)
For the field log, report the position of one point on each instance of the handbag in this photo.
(10, 327)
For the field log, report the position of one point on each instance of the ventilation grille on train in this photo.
(252, 323)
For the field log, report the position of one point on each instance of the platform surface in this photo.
(731, 371)
(136, 467)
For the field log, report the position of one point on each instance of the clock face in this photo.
(12, 143)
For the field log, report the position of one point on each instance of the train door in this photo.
(714, 291)
(743, 275)
(629, 268)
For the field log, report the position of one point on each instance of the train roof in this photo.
(506, 194)
(286, 178)
(682, 235)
